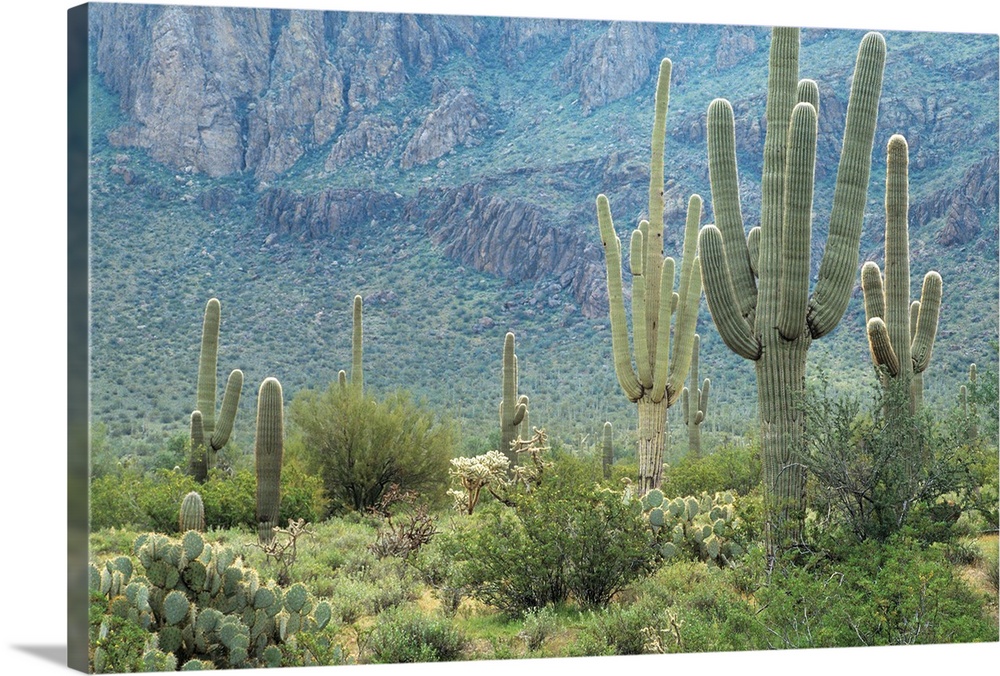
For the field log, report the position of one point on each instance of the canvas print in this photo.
(419, 338)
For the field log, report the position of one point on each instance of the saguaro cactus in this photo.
(656, 381)
(513, 407)
(192, 514)
(900, 349)
(208, 433)
(268, 449)
(772, 320)
(967, 402)
(608, 448)
(357, 378)
(694, 403)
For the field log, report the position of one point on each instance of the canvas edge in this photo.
(78, 353)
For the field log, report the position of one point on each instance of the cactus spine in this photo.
(772, 321)
(208, 433)
(513, 407)
(357, 378)
(656, 381)
(695, 404)
(268, 449)
(608, 456)
(192, 514)
(900, 334)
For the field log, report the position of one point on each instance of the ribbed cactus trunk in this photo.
(694, 401)
(357, 378)
(513, 407)
(208, 433)
(656, 381)
(608, 450)
(268, 450)
(900, 333)
(757, 285)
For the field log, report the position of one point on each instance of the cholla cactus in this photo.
(475, 474)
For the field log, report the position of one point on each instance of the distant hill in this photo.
(445, 168)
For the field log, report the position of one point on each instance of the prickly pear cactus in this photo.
(203, 605)
(701, 526)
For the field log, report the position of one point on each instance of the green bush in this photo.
(406, 635)
(730, 468)
(557, 542)
(152, 501)
(360, 446)
(894, 593)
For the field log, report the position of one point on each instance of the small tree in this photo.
(360, 446)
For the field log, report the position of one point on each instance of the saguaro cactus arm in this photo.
(513, 407)
(927, 321)
(840, 258)
(627, 378)
(720, 292)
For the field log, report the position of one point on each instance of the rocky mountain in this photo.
(491, 137)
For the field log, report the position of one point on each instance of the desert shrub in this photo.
(618, 630)
(898, 592)
(406, 635)
(555, 542)
(539, 625)
(875, 471)
(360, 446)
(730, 468)
(150, 501)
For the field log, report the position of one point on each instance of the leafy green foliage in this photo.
(403, 635)
(360, 446)
(151, 501)
(557, 542)
(895, 593)
(730, 468)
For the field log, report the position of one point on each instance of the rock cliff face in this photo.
(262, 93)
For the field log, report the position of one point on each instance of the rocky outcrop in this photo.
(287, 212)
(735, 44)
(373, 137)
(611, 66)
(513, 239)
(453, 123)
(187, 80)
(304, 100)
(222, 90)
(962, 205)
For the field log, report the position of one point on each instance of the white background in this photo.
(33, 324)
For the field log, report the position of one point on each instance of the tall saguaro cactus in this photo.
(608, 450)
(757, 286)
(268, 450)
(208, 433)
(513, 407)
(357, 378)
(694, 401)
(901, 349)
(656, 380)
